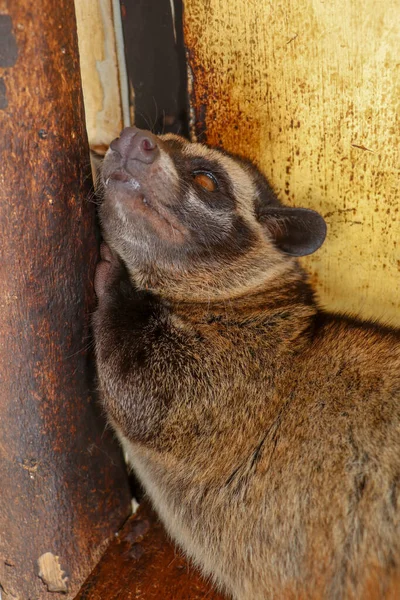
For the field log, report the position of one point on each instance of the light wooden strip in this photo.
(103, 71)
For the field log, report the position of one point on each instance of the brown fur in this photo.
(265, 431)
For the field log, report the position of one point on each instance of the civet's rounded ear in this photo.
(296, 231)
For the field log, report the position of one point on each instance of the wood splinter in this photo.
(51, 573)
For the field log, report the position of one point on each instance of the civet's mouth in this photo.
(123, 177)
(130, 194)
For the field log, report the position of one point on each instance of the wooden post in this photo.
(310, 91)
(64, 491)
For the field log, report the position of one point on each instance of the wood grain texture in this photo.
(99, 70)
(310, 90)
(142, 564)
(63, 484)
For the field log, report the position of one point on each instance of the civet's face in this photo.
(175, 207)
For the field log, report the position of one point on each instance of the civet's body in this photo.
(265, 431)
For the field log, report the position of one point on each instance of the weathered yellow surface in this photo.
(310, 90)
(99, 71)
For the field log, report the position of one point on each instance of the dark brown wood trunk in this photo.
(64, 489)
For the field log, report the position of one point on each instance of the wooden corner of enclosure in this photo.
(64, 485)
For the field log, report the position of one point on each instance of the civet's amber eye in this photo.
(206, 180)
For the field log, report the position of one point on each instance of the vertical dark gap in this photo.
(156, 64)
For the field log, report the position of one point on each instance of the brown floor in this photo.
(142, 564)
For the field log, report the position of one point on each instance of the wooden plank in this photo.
(142, 564)
(63, 485)
(311, 91)
(100, 70)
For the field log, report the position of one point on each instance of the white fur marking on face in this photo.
(166, 165)
(223, 219)
(121, 212)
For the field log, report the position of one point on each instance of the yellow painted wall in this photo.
(310, 90)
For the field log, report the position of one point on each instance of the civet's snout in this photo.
(136, 145)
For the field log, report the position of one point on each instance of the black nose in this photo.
(136, 144)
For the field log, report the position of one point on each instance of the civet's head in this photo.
(194, 222)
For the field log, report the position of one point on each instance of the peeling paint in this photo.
(51, 573)
(8, 43)
(3, 94)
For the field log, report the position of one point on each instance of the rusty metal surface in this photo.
(142, 564)
(63, 485)
(311, 92)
